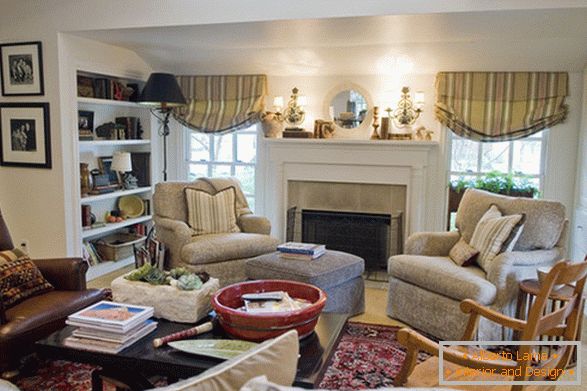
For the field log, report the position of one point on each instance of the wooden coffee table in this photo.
(133, 365)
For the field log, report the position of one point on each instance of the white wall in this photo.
(35, 202)
(579, 226)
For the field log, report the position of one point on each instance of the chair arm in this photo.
(180, 229)
(174, 233)
(65, 274)
(503, 265)
(431, 243)
(469, 306)
(253, 224)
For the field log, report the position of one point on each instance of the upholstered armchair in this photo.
(34, 318)
(426, 286)
(222, 255)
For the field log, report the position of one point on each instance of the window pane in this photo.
(223, 148)
(246, 147)
(219, 170)
(495, 156)
(251, 201)
(527, 157)
(464, 155)
(197, 171)
(246, 176)
(200, 147)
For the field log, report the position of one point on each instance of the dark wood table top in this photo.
(142, 357)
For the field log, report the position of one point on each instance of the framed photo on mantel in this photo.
(25, 136)
(21, 69)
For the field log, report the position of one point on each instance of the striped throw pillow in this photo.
(19, 278)
(494, 233)
(211, 213)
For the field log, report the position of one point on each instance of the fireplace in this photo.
(382, 177)
(367, 235)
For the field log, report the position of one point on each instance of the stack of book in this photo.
(301, 251)
(109, 327)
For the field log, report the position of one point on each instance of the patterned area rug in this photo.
(367, 356)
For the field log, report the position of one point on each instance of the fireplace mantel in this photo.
(409, 163)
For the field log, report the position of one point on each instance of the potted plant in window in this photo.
(495, 182)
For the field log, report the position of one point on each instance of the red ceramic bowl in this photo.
(259, 327)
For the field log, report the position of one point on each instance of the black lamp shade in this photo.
(162, 90)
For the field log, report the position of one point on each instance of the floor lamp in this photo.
(162, 94)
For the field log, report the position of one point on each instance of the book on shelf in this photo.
(153, 252)
(94, 257)
(301, 248)
(111, 316)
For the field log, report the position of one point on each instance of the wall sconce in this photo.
(294, 113)
(407, 111)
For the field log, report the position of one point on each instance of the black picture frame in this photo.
(141, 168)
(25, 135)
(21, 69)
(85, 120)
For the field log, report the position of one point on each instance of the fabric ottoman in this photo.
(338, 274)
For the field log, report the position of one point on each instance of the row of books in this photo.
(153, 253)
(109, 327)
(301, 251)
(92, 255)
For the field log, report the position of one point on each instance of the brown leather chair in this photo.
(39, 316)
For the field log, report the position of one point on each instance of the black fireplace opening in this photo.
(367, 235)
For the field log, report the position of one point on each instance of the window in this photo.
(521, 158)
(232, 154)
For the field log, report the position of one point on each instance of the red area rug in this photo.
(367, 356)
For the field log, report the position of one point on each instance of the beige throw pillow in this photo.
(211, 213)
(462, 253)
(277, 359)
(493, 234)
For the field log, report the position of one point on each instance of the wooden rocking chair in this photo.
(562, 322)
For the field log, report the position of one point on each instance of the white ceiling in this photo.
(374, 45)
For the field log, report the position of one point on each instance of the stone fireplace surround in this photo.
(409, 163)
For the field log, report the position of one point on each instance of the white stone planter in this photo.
(169, 302)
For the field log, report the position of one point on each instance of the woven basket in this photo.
(118, 246)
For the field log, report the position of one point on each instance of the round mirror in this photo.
(348, 109)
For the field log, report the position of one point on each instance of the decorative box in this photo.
(169, 302)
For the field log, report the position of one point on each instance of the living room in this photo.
(324, 50)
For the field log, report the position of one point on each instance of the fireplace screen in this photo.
(373, 237)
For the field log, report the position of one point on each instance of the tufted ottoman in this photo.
(338, 274)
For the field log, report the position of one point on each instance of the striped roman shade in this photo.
(494, 234)
(221, 104)
(499, 106)
(211, 213)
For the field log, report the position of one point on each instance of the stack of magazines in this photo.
(109, 327)
(301, 251)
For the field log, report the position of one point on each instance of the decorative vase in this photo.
(272, 126)
(85, 179)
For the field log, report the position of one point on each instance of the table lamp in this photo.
(162, 93)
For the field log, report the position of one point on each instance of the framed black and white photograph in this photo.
(25, 137)
(21, 67)
(85, 120)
